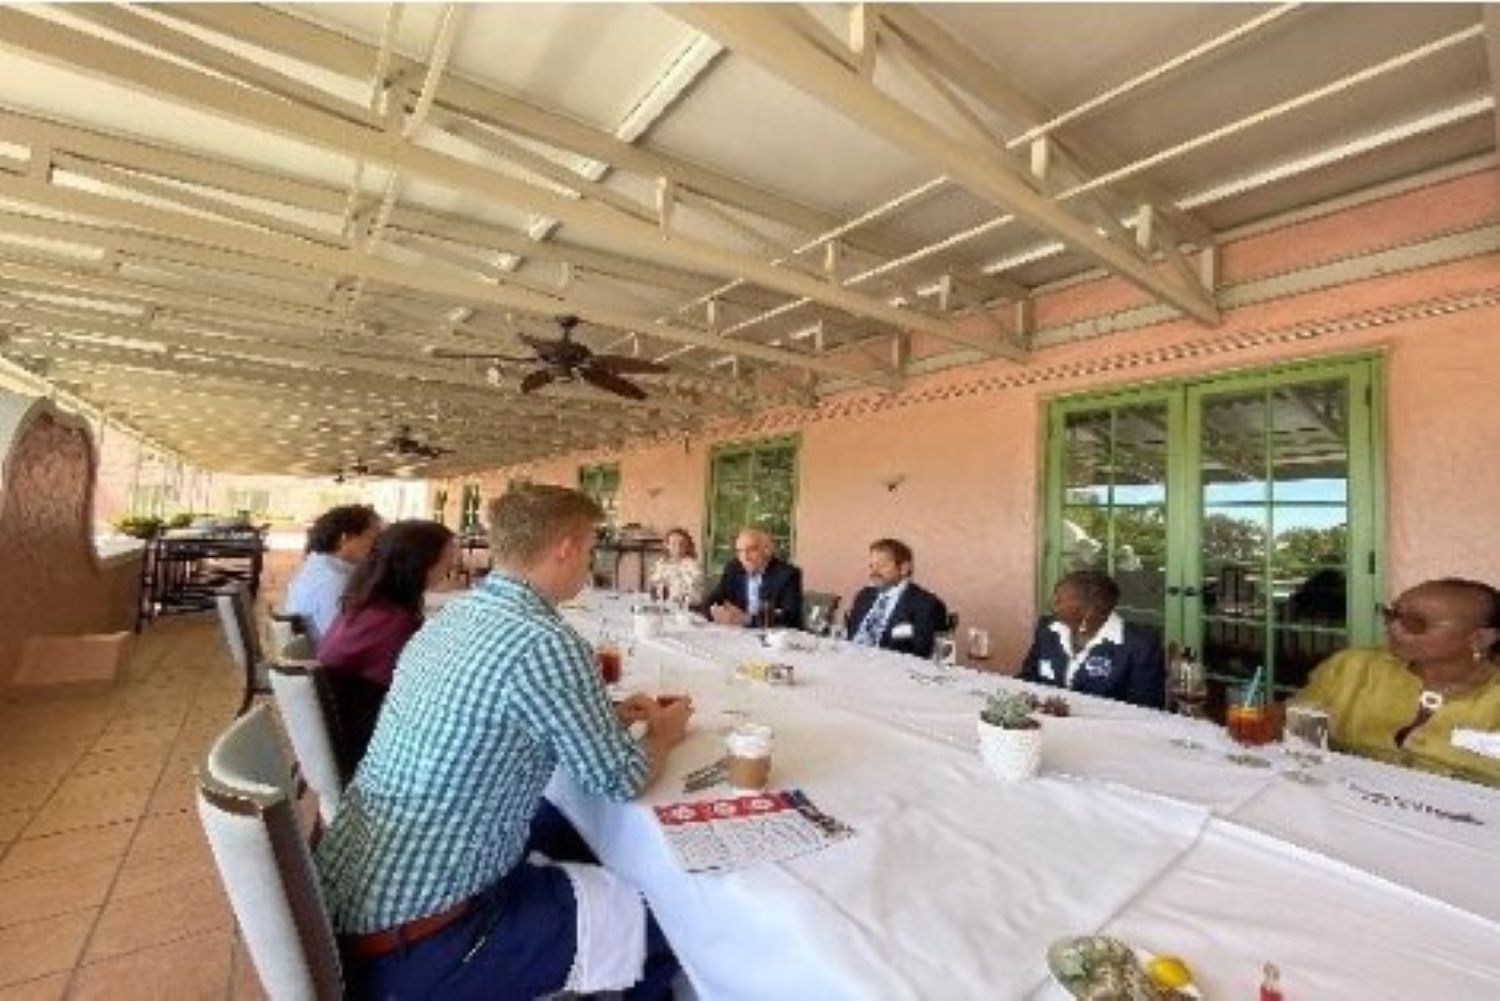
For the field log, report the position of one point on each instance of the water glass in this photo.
(817, 620)
(1307, 727)
(944, 650)
(979, 643)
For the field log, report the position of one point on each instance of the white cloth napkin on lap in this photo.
(1485, 742)
(611, 952)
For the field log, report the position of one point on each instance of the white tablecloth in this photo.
(955, 884)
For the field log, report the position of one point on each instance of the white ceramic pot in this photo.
(1012, 755)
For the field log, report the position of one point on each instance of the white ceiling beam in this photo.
(982, 80)
(359, 358)
(683, 70)
(405, 399)
(288, 251)
(320, 46)
(98, 57)
(762, 35)
(323, 47)
(1492, 56)
(263, 185)
(120, 19)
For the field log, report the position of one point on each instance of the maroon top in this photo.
(366, 643)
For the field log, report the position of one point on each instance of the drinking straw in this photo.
(1252, 690)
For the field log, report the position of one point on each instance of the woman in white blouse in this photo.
(678, 575)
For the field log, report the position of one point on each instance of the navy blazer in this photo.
(917, 607)
(1134, 670)
(780, 588)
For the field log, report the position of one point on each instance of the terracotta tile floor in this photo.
(107, 887)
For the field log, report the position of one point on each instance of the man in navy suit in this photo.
(756, 588)
(893, 612)
(1085, 647)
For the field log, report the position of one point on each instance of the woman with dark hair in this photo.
(677, 575)
(382, 611)
(1436, 676)
(1085, 646)
(336, 542)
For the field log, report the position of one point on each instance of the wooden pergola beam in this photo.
(762, 34)
(180, 84)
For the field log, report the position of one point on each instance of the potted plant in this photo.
(138, 526)
(1010, 738)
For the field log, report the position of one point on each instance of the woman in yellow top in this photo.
(1438, 674)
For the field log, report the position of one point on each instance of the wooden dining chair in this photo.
(250, 818)
(237, 619)
(306, 706)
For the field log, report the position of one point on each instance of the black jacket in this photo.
(918, 608)
(1134, 670)
(780, 590)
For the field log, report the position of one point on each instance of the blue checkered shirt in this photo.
(489, 698)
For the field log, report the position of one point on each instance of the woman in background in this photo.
(1085, 646)
(1436, 678)
(382, 611)
(677, 575)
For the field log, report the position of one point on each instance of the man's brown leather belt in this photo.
(383, 943)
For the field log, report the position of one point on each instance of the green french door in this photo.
(750, 484)
(1239, 515)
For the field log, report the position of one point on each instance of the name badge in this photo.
(1044, 669)
(902, 631)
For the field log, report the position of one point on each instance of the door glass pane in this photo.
(1140, 460)
(1233, 462)
(1140, 563)
(1114, 516)
(1086, 457)
(1274, 549)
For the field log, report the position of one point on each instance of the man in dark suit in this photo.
(893, 612)
(1085, 647)
(756, 588)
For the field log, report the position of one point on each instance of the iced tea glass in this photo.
(1248, 720)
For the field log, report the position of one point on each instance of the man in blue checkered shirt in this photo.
(425, 869)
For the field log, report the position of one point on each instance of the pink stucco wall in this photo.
(968, 444)
(52, 583)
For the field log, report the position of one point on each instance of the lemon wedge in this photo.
(1169, 972)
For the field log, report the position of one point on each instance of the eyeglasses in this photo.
(1410, 622)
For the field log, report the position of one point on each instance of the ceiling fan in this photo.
(355, 470)
(403, 444)
(566, 360)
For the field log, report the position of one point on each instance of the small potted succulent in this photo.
(1010, 738)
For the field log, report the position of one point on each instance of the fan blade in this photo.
(536, 380)
(484, 356)
(611, 383)
(625, 363)
(544, 348)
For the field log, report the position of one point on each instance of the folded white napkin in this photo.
(611, 951)
(1485, 742)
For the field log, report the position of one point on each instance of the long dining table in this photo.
(1370, 882)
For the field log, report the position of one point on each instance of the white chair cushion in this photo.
(297, 697)
(245, 805)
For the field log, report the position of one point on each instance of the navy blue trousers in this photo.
(517, 942)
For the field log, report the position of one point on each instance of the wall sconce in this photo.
(653, 492)
(891, 483)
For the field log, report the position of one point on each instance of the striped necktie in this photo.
(873, 626)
